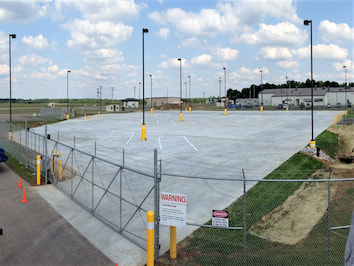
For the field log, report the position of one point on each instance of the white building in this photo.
(296, 96)
(112, 108)
(131, 103)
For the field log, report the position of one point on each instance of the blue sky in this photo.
(100, 42)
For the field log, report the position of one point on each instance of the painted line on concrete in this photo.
(160, 144)
(194, 147)
(173, 122)
(132, 135)
(110, 134)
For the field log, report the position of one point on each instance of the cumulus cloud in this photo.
(4, 69)
(288, 64)
(172, 62)
(276, 53)
(323, 51)
(227, 54)
(201, 59)
(38, 42)
(163, 33)
(23, 10)
(283, 33)
(330, 31)
(85, 34)
(347, 63)
(33, 60)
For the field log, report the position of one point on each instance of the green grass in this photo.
(21, 170)
(328, 142)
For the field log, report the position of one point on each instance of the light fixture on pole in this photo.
(143, 126)
(261, 90)
(312, 142)
(180, 89)
(67, 94)
(11, 36)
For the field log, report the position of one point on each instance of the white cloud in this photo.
(276, 53)
(201, 59)
(38, 42)
(280, 34)
(23, 10)
(347, 63)
(288, 64)
(163, 33)
(323, 51)
(331, 31)
(4, 69)
(33, 60)
(172, 62)
(101, 10)
(85, 34)
(227, 54)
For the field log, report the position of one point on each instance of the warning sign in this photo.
(173, 209)
(220, 218)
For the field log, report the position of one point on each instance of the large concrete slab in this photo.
(204, 144)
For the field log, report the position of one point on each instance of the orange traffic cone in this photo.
(19, 183)
(24, 200)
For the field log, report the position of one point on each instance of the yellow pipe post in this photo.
(225, 112)
(150, 238)
(143, 132)
(152, 110)
(173, 242)
(60, 170)
(67, 117)
(180, 116)
(85, 117)
(261, 109)
(38, 170)
(190, 109)
(10, 136)
(312, 144)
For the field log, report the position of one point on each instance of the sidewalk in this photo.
(35, 234)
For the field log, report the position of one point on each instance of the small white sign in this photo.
(220, 218)
(173, 209)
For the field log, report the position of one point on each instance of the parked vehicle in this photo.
(329, 105)
(3, 156)
(308, 105)
(339, 105)
(302, 106)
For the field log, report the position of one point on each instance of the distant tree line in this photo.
(254, 90)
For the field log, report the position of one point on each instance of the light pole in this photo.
(180, 89)
(67, 94)
(152, 109)
(11, 36)
(345, 87)
(143, 126)
(287, 94)
(312, 142)
(190, 106)
(261, 90)
(220, 90)
(225, 111)
(100, 98)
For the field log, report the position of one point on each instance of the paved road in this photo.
(35, 234)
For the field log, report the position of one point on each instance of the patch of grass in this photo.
(328, 142)
(21, 170)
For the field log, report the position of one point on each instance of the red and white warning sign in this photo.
(173, 209)
(220, 218)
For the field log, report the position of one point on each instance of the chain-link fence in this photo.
(294, 216)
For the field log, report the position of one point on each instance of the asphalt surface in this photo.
(35, 234)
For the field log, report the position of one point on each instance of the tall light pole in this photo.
(220, 90)
(345, 87)
(100, 98)
(143, 126)
(287, 94)
(151, 94)
(225, 111)
(190, 107)
(67, 94)
(312, 142)
(261, 90)
(11, 36)
(180, 89)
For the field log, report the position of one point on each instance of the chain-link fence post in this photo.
(157, 180)
(244, 220)
(329, 220)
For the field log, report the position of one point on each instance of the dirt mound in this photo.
(294, 219)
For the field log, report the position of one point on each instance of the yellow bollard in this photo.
(60, 170)
(312, 144)
(225, 112)
(190, 109)
(38, 170)
(261, 109)
(152, 110)
(10, 136)
(150, 238)
(180, 116)
(67, 117)
(173, 242)
(98, 113)
(143, 132)
(287, 109)
(85, 117)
